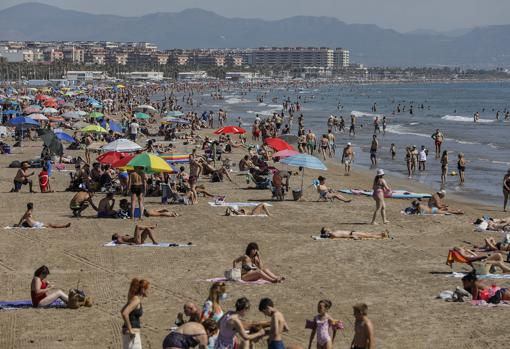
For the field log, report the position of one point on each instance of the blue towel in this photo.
(9, 305)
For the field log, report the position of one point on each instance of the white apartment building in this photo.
(192, 75)
(146, 75)
(85, 75)
(342, 59)
(294, 56)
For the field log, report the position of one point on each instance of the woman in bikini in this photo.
(506, 189)
(259, 210)
(252, 268)
(324, 143)
(41, 290)
(136, 185)
(327, 233)
(326, 193)
(379, 188)
(480, 291)
(444, 167)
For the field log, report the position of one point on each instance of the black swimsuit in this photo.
(180, 340)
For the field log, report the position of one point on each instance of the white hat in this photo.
(442, 192)
(380, 172)
(348, 143)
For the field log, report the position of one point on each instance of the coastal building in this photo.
(341, 58)
(239, 76)
(192, 75)
(85, 75)
(147, 75)
(74, 54)
(294, 56)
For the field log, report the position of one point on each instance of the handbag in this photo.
(233, 274)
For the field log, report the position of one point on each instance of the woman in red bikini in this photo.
(41, 291)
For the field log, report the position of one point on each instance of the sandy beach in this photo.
(398, 278)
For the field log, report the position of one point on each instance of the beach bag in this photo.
(481, 268)
(77, 299)
(233, 274)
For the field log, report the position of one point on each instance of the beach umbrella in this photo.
(94, 129)
(23, 122)
(35, 106)
(115, 127)
(278, 144)
(285, 153)
(50, 103)
(96, 115)
(146, 107)
(31, 110)
(68, 105)
(304, 161)
(38, 117)
(175, 158)
(151, 163)
(112, 157)
(122, 145)
(11, 112)
(120, 86)
(123, 162)
(172, 120)
(81, 112)
(49, 111)
(142, 116)
(174, 113)
(71, 115)
(65, 137)
(230, 129)
(56, 118)
(51, 141)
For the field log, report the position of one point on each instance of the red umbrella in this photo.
(285, 153)
(124, 161)
(50, 103)
(41, 97)
(230, 129)
(278, 144)
(111, 157)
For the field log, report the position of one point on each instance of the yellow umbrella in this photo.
(150, 163)
(94, 129)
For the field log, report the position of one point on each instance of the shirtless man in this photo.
(373, 150)
(88, 140)
(27, 220)
(105, 207)
(311, 141)
(327, 233)
(278, 323)
(363, 329)
(348, 158)
(140, 235)
(438, 138)
(331, 143)
(195, 169)
(23, 178)
(81, 201)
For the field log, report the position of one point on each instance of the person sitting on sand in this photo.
(259, 210)
(420, 208)
(191, 335)
(437, 200)
(41, 290)
(480, 291)
(327, 233)
(23, 178)
(81, 201)
(252, 268)
(492, 245)
(140, 235)
(245, 164)
(190, 310)
(125, 209)
(327, 194)
(105, 207)
(495, 260)
(27, 221)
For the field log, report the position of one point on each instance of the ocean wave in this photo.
(359, 114)
(414, 123)
(236, 100)
(500, 162)
(279, 106)
(261, 104)
(269, 112)
(400, 130)
(460, 118)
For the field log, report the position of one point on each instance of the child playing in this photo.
(321, 324)
(278, 323)
(363, 329)
(44, 181)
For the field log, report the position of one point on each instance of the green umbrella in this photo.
(96, 115)
(94, 129)
(151, 163)
(142, 116)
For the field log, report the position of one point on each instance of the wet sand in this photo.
(397, 278)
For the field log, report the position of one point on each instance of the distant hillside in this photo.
(194, 28)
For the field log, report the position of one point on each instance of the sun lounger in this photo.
(149, 244)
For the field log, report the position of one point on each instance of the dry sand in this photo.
(398, 278)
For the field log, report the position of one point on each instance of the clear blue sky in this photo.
(402, 15)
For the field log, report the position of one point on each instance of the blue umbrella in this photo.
(115, 127)
(65, 137)
(23, 122)
(304, 161)
(11, 112)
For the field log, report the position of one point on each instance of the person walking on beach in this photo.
(414, 158)
(352, 128)
(444, 167)
(348, 158)
(278, 323)
(438, 138)
(506, 189)
(311, 142)
(461, 167)
(331, 143)
(363, 329)
(373, 150)
(132, 312)
(379, 188)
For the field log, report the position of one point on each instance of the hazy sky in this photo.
(402, 15)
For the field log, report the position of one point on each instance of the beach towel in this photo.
(149, 244)
(13, 227)
(408, 213)
(320, 238)
(238, 204)
(258, 282)
(24, 304)
(394, 194)
(252, 215)
(480, 303)
(486, 276)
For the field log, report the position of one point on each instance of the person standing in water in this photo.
(438, 138)
(461, 167)
(373, 150)
(444, 167)
(352, 129)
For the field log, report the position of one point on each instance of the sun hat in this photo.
(349, 143)
(380, 172)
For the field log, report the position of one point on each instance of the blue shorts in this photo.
(276, 345)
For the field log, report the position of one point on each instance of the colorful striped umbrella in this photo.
(151, 163)
(174, 158)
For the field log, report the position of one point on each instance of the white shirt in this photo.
(423, 155)
(133, 128)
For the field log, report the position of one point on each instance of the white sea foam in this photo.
(359, 114)
(262, 104)
(414, 123)
(235, 100)
(278, 106)
(460, 118)
(399, 129)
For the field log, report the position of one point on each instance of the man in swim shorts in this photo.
(278, 323)
(27, 220)
(363, 329)
(105, 207)
(348, 158)
(81, 201)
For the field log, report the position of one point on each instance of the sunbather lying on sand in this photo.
(27, 221)
(492, 245)
(495, 259)
(327, 233)
(480, 291)
(140, 235)
(260, 209)
(494, 224)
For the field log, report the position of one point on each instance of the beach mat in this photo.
(24, 304)
(395, 194)
(149, 244)
(238, 204)
(12, 227)
(485, 276)
(258, 282)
